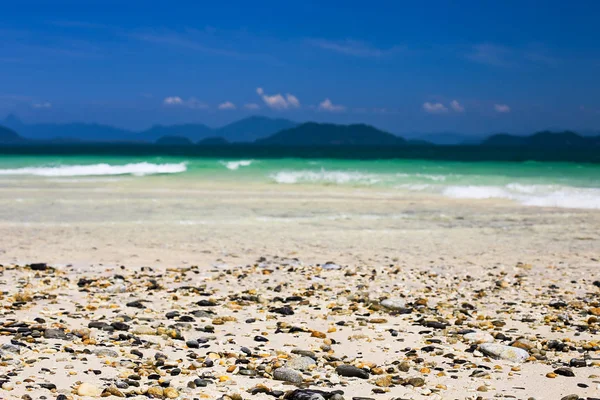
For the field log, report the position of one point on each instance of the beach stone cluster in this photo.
(277, 328)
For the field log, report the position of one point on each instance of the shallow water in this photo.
(549, 184)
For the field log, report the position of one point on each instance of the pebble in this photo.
(393, 304)
(89, 389)
(512, 354)
(577, 363)
(288, 375)
(352, 371)
(479, 337)
(300, 363)
(570, 397)
(51, 333)
(103, 352)
(564, 371)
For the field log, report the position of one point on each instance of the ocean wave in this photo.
(531, 195)
(136, 169)
(233, 165)
(323, 176)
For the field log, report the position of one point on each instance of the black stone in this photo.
(564, 371)
(352, 371)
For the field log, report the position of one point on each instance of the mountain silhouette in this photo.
(9, 136)
(544, 139)
(314, 134)
(244, 130)
(253, 128)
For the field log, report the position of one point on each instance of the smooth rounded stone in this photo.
(156, 392)
(247, 372)
(113, 390)
(120, 326)
(201, 382)
(144, 330)
(192, 344)
(313, 394)
(105, 353)
(49, 386)
(38, 266)
(53, 333)
(523, 344)
(11, 348)
(564, 371)
(577, 363)
(99, 325)
(329, 266)
(416, 382)
(116, 288)
(513, 354)
(393, 304)
(202, 314)
(305, 353)
(351, 371)
(288, 375)
(170, 393)
(300, 363)
(89, 389)
(136, 304)
(121, 384)
(479, 337)
(570, 397)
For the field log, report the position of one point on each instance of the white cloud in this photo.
(292, 100)
(192, 102)
(277, 101)
(227, 106)
(501, 108)
(327, 105)
(456, 106)
(173, 100)
(434, 108)
(251, 106)
(44, 104)
(354, 48)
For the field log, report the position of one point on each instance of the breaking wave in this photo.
(233, 165)
(531, 195)
(323, 176)
(136, 169)
(453, 186)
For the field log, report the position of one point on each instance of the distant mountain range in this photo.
(444, 138)
(545, 139)
(245, 130)
(266, 131)
(313, 134)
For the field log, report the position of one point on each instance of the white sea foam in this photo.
(233, 165)
(531, 195)
(137, 169)
(323, 176)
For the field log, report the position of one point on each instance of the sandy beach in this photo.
(177, 289)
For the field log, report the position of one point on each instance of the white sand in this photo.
(420, 247)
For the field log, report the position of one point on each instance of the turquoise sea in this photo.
(551, 184)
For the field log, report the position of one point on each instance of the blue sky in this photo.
(463, 66)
